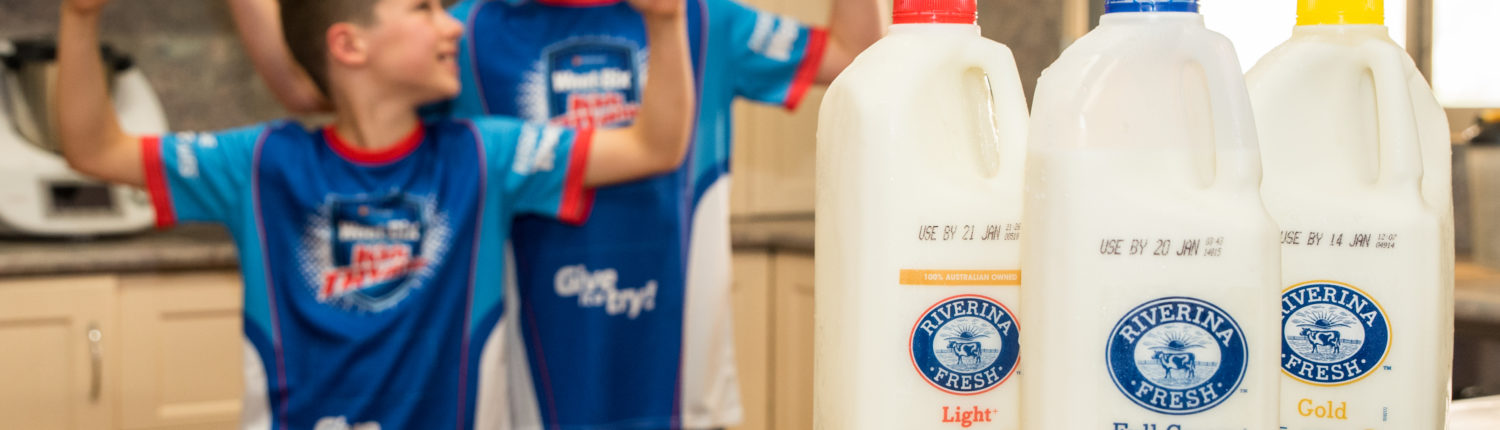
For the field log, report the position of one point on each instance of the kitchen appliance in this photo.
(39, 194)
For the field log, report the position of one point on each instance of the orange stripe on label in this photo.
(960, 277)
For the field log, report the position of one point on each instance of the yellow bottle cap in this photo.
(1335, 12)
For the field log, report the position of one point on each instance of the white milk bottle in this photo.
(921, 146)
(1151, 264)
(1346, 125)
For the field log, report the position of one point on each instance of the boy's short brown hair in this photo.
(305, 23)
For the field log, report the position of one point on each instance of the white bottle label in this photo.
(1177, 355)
(1332, 333)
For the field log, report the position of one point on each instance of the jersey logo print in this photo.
(187, 159)
(342, 423)
(536, 150)
(774, 36)
(585, 82)
(369, 253)
(597, 289)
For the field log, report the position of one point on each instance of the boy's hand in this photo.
(659, 9)
(85, 7)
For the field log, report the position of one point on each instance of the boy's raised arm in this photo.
(259, 25)
(853, 25)
(92, 140)
(658, 140)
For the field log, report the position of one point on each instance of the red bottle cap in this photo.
(935, 12)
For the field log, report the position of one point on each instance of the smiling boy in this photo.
(371, 249)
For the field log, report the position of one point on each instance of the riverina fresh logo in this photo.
(965, 344)
(1331, 333)
(1177, 355)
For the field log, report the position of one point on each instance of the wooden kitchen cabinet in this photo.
(53, 375)
(164, 353)
(751, 296)
(773, 306)
(181, 349)
(794, 341)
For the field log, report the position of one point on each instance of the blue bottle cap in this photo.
(1113, 6)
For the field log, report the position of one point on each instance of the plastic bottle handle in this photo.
(1010, 116)
(1400, 140)
(1230, 102)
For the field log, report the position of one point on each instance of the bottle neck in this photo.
(965, 29)
(1361, 30)
(1151, 18)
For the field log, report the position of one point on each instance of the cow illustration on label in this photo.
(1173, 350)
(965, 344)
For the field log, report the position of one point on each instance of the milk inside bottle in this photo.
(1152, 267)
(920, 155)
(1347, 125)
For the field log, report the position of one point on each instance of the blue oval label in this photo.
(966, 344)
(1331, 333)
(1177, 355)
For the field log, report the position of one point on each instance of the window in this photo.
(1258, 26)
(1465, 64)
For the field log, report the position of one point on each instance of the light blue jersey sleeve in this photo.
(541, 167)
(200, 177)
(773, 58)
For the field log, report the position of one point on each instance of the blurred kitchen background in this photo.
(142, 330)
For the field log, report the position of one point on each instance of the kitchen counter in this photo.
(1476, 290)
(199, 247)
(1475, 414)
(787, 233)
(1476, 296)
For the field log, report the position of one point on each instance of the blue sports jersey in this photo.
(625, 321)
(372, 280)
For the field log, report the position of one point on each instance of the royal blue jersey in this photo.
(372, 280)
(625, 321)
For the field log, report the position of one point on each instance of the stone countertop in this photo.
(1476, 296)
(204, 247)
(1475, 414)
(1476, 291)
(183, 248)
(792, 233)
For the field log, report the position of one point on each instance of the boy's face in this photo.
(412, 46)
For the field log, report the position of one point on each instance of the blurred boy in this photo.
(371, 249)
(625, 322)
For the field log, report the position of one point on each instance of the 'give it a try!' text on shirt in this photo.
(625, 322)
(372, 280)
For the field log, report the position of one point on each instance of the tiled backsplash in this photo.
(187, 48)
(189, 51)
(1032, 30)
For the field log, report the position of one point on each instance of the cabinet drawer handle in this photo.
(96, 361)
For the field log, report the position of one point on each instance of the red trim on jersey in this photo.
(577, 199)
(156, 182)
(578, 3)
(376, 156)
(807, 72)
